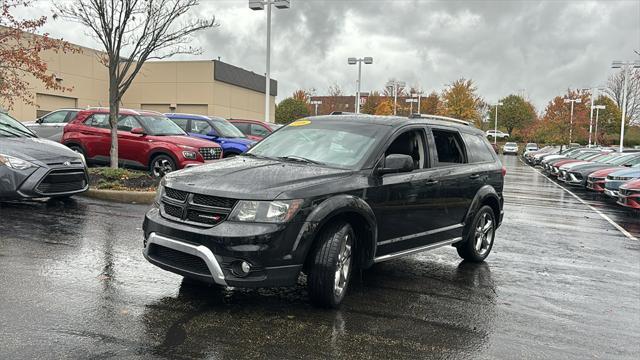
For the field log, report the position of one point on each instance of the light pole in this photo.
(352, 61)
(598, 108)
(419, 96)
(572, 101)
(259, 5)
(316, 103)
(395, 84)
(495, 130)
(625, 65)
(594, 94)
(412, 100)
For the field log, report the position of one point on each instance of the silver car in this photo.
(51, 126)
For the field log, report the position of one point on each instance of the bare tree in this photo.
(615, 89)
(132, 32)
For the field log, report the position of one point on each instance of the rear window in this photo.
(449, 147)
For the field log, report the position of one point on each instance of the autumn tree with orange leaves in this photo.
(21, 51)
(556, 121)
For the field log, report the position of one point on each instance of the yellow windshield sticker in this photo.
(300, 123)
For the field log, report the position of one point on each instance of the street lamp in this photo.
(411, 100)
(352, 61)
(598, 108)
(260, 5)
(316, 103)
(572, 101)
(626, 65)
(495, 130)
(594, 94)
(395, 84)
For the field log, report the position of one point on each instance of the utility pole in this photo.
(625, 65)
(352, 61)
(495, 131)
(572, 101)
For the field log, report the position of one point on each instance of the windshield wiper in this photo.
(300, 159)
(20, 131)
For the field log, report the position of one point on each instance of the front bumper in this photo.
(630, 201)
(42, 182)
(209, 254)
(611, 193)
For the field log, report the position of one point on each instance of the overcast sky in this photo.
(539, 47)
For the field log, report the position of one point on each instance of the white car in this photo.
(51, 126)
(510, 148)
(497, 134)
(531, 147)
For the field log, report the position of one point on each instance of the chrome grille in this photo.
(211, 153)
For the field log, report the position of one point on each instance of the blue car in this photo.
(615, 179)
(219, 130)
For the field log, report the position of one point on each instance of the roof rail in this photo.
(342, 113)
(437, 117)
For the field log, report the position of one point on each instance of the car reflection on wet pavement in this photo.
(561, 282)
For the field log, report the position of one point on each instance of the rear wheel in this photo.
(479, 240)
(162, 165)
(332, 262)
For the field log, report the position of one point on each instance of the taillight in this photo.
(504, 171)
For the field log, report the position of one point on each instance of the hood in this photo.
(37, 150)
(184, 140)
(604, 172)
(241, 141)
(631, 185)
(247, 178)
(573, 164)
(627, 172)
(585, 169)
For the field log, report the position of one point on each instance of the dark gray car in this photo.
(31, 167)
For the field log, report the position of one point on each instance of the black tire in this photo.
(335, 245)
(479, 239)
(161, 165)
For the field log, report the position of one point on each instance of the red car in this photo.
(146, 140)
(255, 129)
(629, 194)
(596, 179)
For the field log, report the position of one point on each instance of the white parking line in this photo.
(622, 230)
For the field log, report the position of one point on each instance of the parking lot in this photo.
(561, 282)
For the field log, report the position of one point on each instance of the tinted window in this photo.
(126, 123)
(244, 127)
(226, 129)
(71, 116)
(477, 148)
(160, 125)
(55, 118)
(259, 130)
(410, 143)
(98, 120)
(182, 123)
(200, 127)
(449, 147)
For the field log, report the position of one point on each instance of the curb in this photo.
(127, 197)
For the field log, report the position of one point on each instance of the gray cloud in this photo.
(543, 47)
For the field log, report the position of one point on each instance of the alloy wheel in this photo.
(484, 234)
(343, 266)
(162, 167)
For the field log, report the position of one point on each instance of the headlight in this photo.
(189, 155)
(159, 192)
(265, 211)
(15, 163)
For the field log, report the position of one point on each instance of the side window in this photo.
(410, 143)
(183, 123)
(55, 118)
(449, 147)
(71, 116)
(98, 120)
(200, 127)
(244, 127)
(477, 149)
(259, 130)
(126, 123)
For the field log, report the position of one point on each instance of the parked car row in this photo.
(603, 170)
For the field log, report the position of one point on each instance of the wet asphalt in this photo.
(560, 283)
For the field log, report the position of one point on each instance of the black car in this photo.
(324, 195)
(31, 167)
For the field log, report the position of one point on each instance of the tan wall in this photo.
(166, 86)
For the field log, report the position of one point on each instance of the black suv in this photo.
(324, 195)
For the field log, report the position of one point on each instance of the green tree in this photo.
(290, 109)
(461, 101)
(515, 113)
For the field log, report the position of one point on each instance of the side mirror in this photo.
(39, 120)
(396, 163)
(138, 131)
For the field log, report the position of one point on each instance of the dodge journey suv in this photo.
(325, 195)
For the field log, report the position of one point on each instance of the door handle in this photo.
(431, 182)
(474, 176)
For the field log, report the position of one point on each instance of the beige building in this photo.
(201, 87)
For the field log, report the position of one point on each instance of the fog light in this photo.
(241, 268)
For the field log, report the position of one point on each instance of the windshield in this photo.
(160, 125)
(10, 127)
(226, 129)
(623, 159)
(343, 145)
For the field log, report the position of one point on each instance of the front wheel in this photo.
(332, 262)
(479, 240)
(162, 165)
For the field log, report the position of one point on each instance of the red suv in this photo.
(146, 140)
(254, 129)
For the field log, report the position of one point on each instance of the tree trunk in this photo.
(114, 109)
